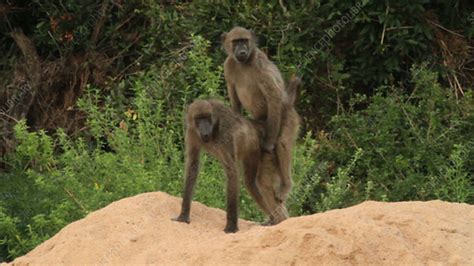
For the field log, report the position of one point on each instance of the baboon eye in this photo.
(240, 41)
(201, 119)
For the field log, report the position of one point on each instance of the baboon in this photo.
(229, 138)
(254, 82)
(269, 176)
(232, 139)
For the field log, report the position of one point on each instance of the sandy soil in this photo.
(138, 230)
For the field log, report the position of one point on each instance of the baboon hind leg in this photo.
(269, 183)
(283, 154)
(251, 170)
(283, 150)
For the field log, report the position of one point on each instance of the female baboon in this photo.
(231, 139)
(256, 83)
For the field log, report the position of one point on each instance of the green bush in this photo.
(407, 147)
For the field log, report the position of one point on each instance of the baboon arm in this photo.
(191, 173)
(273, 97)
(231, 171)
(234, 100)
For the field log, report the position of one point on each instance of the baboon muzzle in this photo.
(206, 138)
(205, 130)
(242, 55)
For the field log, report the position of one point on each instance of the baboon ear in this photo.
(186, 114)
(254, 37)
(223, 36)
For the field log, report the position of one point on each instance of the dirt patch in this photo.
(138, 230)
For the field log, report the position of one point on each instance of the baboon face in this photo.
(239, 43)
(204, 126)
(201, 118)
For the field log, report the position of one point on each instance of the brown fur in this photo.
(256, 84)
(234, 139)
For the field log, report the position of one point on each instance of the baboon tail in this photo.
(293, 88)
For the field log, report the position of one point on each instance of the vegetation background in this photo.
(92, 95)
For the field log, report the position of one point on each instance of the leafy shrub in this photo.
(407, 147)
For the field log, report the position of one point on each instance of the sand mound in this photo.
(138, 230)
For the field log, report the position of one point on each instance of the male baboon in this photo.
(256, 83)
(231, 139)
(269, 176)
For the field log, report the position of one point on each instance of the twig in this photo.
(412, 125)
(76, 200)
(285, 11)
(351, 139)
(397, 171)
(56, 44)
(9, 116)
(384, 25)
(121, 24)
(399, 28)
(448, 30)
(100, 22)
(458, 85)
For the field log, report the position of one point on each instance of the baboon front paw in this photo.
(181, 219)
(231, 229)
(282, 193)
(278, 198)
(281, 196)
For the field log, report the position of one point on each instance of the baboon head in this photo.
(200, 118)
(239, 43)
